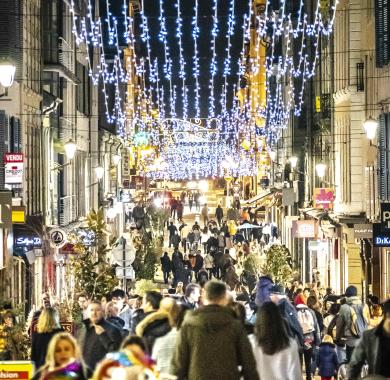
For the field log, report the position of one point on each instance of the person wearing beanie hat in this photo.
(352, 310)
(289, 313)
(327, 362)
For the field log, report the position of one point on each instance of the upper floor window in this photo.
(382, 32)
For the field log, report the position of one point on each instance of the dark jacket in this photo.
(94, 347)
(290, 315)
(119, 323)
(327, 362)
(137, 317)
(367, 350)
(39, 344)
(153, 326)
(212, 344)
(166, 263)
(263, 289)
(219, 213)
(231, 277)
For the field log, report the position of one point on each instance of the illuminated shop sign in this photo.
(25, 241)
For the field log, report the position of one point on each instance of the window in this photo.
(382, 32)
(384, 157)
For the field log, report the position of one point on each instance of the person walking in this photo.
(48, 325)
(171, 229)
(180, 209)
(166, 266)
(96, 336)
(351, 321)
(327, 361)
(209, 264)
(212, 343)
(219, 215)
(205, 214)
(173, 207)
(190, 200)
(276, 353)
(374, 349)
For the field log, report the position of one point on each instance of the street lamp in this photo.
(321, 169)
(99, 171)
(70, 149)
(293, 161)
(370, 126)
(7, 73)
(116, 158)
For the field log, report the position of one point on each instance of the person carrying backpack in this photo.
(351, 321)
(311, 336)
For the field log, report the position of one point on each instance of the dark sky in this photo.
(205, 23)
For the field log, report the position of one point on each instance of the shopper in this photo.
(48, 325)
(212, 343)
(276, 353)
(327, 362)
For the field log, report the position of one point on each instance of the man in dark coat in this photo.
(166, 266)
(212, 343)
(171, 229)
(219, 215)
(97, 337)
(373, 348)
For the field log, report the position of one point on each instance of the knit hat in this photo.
(351, 291)
(277, 289)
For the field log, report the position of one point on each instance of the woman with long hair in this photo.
(48, 325)
(63, 357)
(275, 352)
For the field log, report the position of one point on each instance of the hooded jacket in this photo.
(327, 362)
(212, 344)
(263, 290)
(344, 321)
(153, 326)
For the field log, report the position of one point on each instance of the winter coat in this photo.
(289, 314)
(316, 334)
(137, 317)
(198, 263)
(93, 346)
(344, 321)
(284, 364)
(163, 351)
(153, 326)
(166, 263)
(212, 344)
(219, 213)
(263, 290)
(208, 261)
(367, 351)
(125, 314)
(327, 362)
(117, 322)
(39, 344)
(231, 277)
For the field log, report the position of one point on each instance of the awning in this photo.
(257, 199)
(314, 213)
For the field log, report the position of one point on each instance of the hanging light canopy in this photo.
(370, 126)
(70, 149)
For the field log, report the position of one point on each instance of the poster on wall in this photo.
(13, 168)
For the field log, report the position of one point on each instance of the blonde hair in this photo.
(51, 349)
(327, 339)
(170, 306)
(48, 320)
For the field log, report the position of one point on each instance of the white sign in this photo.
(13, 168)
(127, 273)
(57, 237)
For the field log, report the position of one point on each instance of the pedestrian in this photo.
(199, 261)
(156, 321)
(83, 301)
(164, 346)
(275, 351)
(180, 209)
(374, 349)
(197, 201)
(47, 326)
(311, 337)
(209, 264)
(205, 235)
(205, 214)
(190, 201)
(276, 294)
(175, 240)
(96, 336)
(171, 229)
(173, 208)
(119, 297)
(212, 343)
(351, 321)
(219, 215)
(63, 357)
(166, 266)
(327, 362)
(313, 304)
(111, 313)
(9, 349)
(191, 296)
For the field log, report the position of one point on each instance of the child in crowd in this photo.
(327, 362)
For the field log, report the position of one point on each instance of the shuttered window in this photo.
(384, 157)
(382, 32)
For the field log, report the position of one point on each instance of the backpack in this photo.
(305, 319)
(358, 323)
